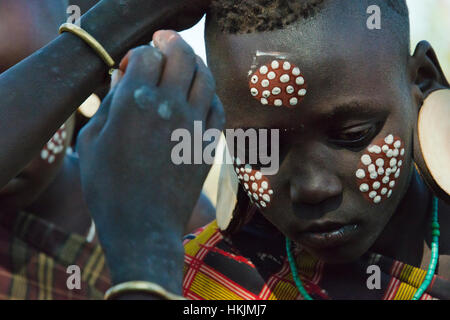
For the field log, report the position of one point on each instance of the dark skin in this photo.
(62, 75)
(316, 180)
(51, 191)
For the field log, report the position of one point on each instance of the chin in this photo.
(338, 255)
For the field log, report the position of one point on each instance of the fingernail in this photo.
(116, 77)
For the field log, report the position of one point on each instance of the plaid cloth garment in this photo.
(249, 266)
(34, 256)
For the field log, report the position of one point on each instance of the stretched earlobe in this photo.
(432, 132)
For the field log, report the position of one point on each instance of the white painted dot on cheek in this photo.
(384, 191)
(286, 65)
(278, 102)
(376, 185)
(258, 175)
(255, 79)
(254, 92)
(275, 64)
(377, 199)
(364, 187)
(360, 174)
(366, 160)
(264, 101)
(302, 92)
(379, 162)
(397, 144)
(389, 139)
(265, 83)
(265, 185)
(254, 186)
(271, 75)
(372, 194)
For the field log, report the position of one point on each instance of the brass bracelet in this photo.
(141, 286)
(90, 40)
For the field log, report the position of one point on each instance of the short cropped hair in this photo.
(249, 16)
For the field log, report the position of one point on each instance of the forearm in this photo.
(41, 92)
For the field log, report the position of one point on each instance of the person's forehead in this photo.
(340, 61)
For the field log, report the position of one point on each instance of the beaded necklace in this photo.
(428, 277)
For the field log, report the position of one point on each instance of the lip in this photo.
(328, 235)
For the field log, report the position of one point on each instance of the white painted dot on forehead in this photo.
(255, 79)
(302, 92)
(275, 64)
(296, 71)
(265, 83)
(285, 78)
(278, 102)
(276, 91)
(300, 81)
(289, 89)
(263, 70)
(258, 175)
(293, 101)
(266, 93)
(286, 66)
(271, 75)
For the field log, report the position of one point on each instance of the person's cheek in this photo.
(379, 168)
(255, 184)
(55, 145)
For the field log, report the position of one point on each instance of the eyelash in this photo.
(361, 138)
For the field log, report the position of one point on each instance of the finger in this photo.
(99, 119)
(143, 64)
(180, 66)
(116, 76)
(216, 115)
(203, 87)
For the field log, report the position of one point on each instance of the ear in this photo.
(426, 71)
(431, 92)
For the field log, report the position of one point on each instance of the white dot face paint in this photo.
(259, 190)
(379, 169)
(284, 81)
(54, 146)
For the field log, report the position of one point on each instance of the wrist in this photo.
(152, 262)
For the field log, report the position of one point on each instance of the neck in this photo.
(403, 237)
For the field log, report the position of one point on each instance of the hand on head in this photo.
(140, 200)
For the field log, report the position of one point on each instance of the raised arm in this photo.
(42, 91)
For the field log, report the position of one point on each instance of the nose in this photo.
(314, 187)
(313, 180)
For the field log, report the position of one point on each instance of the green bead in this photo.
(435, 225)
(436, 233)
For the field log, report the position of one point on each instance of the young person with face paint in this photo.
(45, 226)
(347, 194)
